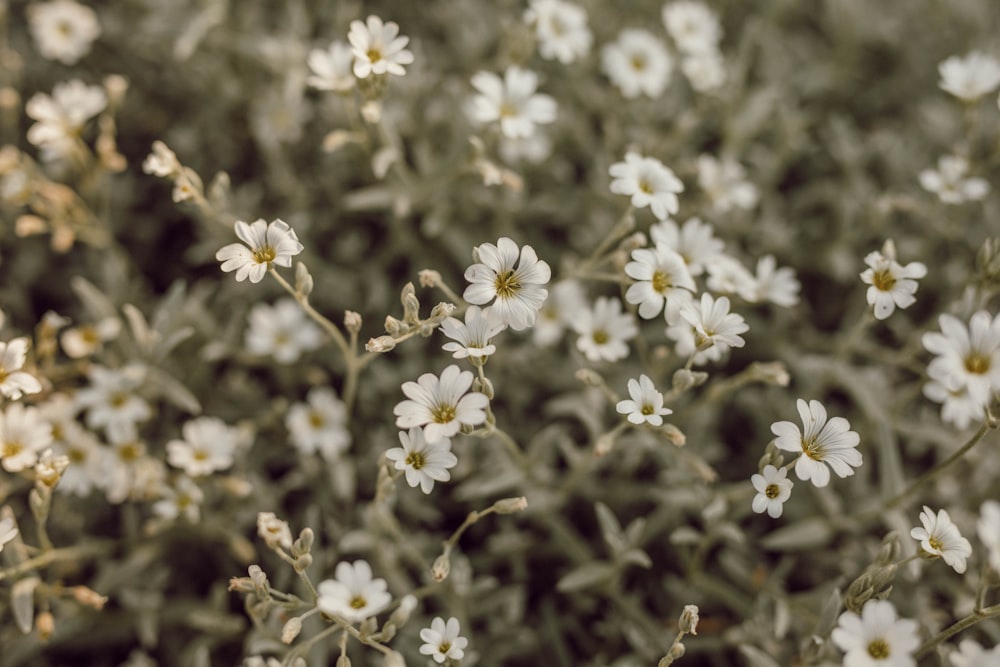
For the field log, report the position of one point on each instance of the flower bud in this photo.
(394, 327)
(45, 623)
(343, 661)
(442, 311)
(688, 622)
(402, 613)
(291, 630)
(304, 543)
(441, 567)
(352, 321)
(303, 280)
(411, 305)
(380, 344)
(394, 659)
(510, 505)
(429, 278)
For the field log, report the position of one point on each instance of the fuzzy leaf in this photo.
(806, 534)
(585, 576)
(22, 602)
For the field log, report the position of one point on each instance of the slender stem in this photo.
(955, 628)
(47, 558)
(329, 327)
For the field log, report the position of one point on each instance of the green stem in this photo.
(952, 630)
(77, 553)
(329, 327)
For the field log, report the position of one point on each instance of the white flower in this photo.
(638, 63)
(821, 441)
(331, 67)
(605, 330)
(876, 638)
(988, 527)
(441, 405)
(773, 489)
(208, 446)
(724, 181)
(61, 117)
(726, 275)
(646, 404)
(378, 48)
(7, 531)
(693, 26)
(161, 161)
(86, 339)
(940, 537)
(511, 101)
(566, 299)
(532, 150)
(779, 286)
(561, 29)
(949, 183)
(424, 462)
(892, 284)
(274, 243)
(704, 71)
(971, 77)
(23, 434)
(713, 324)
(128, 471)
(695, 242)
(442, 641)
(648, 182)
(274, 531)
(972, 654)
(184, 498)
(63, 30)
(283, 331)
(14, 382)
(685, 340)
(518, 290)
(319, 425)
(958, 407)
(86, 460)
(111, 400)
(661, 278)
(354, 595)
(967, 357)
(472, 337)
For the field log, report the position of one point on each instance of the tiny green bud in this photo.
(441, 568)
(510, 505)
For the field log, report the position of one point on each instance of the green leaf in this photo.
(585, 576)
(22, 602)
(802, 535)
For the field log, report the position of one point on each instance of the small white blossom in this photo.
(161, 161)
(605, 330)
(876, 638)
(13, 381)
(566, 299)
(561, 29)
(63, 30)
(685, 339)
(988, 528)
(972, 654)
(637, 63)
(354, 594)
(773, 489)
(331, 68)
(424, 463)
(378, 48)
(958, 407)
(86, 339)
(777, 285)
(111, 400)
(819, 441)
(282, 330)
(208, 446)
(724, 181)
(23, 435)
(531, 150)
(940, 537)
(693, 26)
(513, 277)
(512, 102)
(949, 183)
(892, 284)
(274, 531)
(695, 242)
(269, 243)
(472, 337)
(645, 405)
(967, 357)
(662, 278)
(442, 641)
(319, 424)
(971, 77)
(441, 405)
(648, 182)
(713, 324)
(183, 499)
(128, 471)
(727, 275)
(61, 117)
(704, 71)
(86, 459)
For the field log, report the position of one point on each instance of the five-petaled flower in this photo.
(940, 537)
(513, 277)
(441, 405)
(820, 441)
(274, 243)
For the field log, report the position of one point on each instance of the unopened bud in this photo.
(352, 321)
(442, 311)
(411, 305)
(429, 278)
(510, 505)
(291, 630)
(89, 597)
(394, 327)
(368, 626)
(674, 434)
(441, 567)
(303, 280)
(343, 661)
(381, 344)
(889, 250)
(483, 386)
(387, 633)
(45, 623)
(633, 242)
(685, 379)
(304, 543)
(605, 443)
(771, 372)
(259, 580)
(394, 659)
(688, 622)
(115, 85)
(589, 377)
(303, 562)
(402, 613)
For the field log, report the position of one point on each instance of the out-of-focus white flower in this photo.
(274, 531)
(876, 638)
(111, 400)
(319, 425)
(331, 68)
(819, 441)
(423, 462)
(513, 277)
(129, 473)
(940, 537)
(23, 434)
(61, 117)
(661, 278)
(988, 527)
(773, 489)
(282, 330)
(713, 324)
(512, 102)
(693, 26)
(13, 381)
(891, 283)
(378, 48)
(161, 161)
(354, 594)
(86, 339)
(86, 460)
(646, 403)
(971, 77)
(704, 71)
(472, 337)
(648, 182)
(967, 357)
(605, 330)
(208, 446)
(266, 244)
(972, 654)
(727, 275)
(63, 30)
(724, 181)
(949, 183)
(779, 286)
(532, 150)
(685, 337)
(637, 63)
(7, 531)
(441, 405)
(183, 499)
(565, 300)
(561, 29)
(958, 407)
(695, 242)
(442, 641)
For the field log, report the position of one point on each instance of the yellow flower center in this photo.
(443, 414)
(129, 452)
(878, 649)
(507, 285)
(316, 420)
(264, 255)
(977, 363)
(11, 448)
(77, 455)
(661, 282)
(637, 62)
(118, 399)
(647, 409)
(935, 543)
(813, 449)
(374, 54)
(883, 280)
(444, 647)
(358, 602)
(772, 491)
(416, 460)
(200, 455)
(600, 337)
